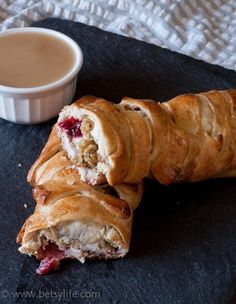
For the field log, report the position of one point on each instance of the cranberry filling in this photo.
(47, 265)
(72, 126)
(50, 258)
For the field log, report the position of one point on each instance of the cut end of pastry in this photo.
(73, 240)
(82, 140)
(51, 256)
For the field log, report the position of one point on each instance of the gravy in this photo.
(33, 59)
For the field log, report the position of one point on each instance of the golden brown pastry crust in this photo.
(191, 137)
(114, 135)
(124, 134)
(38, 171)
(57, 203)
(205, 127)
(54, 165)
(62, 198)
(157, 121)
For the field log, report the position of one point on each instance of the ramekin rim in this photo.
(59, 82)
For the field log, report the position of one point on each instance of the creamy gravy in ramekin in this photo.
(33, 59)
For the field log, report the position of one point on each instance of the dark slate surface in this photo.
(184, 238)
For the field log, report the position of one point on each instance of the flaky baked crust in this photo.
(53, 165)
(52, 159)
(189, 138)
(60, 204)
(114, 134)
(124, 138)
(62, 198)
(194, 136)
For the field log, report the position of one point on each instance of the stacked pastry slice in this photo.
(189, 138)
(73, 219)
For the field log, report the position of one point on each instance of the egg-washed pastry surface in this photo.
(73, 219)
(191, 137)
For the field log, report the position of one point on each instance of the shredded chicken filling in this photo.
(77, 236)
(73, 240)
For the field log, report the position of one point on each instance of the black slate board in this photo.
(184, 238)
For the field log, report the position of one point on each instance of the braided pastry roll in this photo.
(103, 143)
(189, 138)
(73, 219)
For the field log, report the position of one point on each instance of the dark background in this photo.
(183, 248)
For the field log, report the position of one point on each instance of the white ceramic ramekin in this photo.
(39, 104)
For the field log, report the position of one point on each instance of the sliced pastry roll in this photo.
(189, 138)
(77, 221)
(103, 143)
(73, 219)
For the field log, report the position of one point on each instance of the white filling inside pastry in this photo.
(84, 143)
(77, 240)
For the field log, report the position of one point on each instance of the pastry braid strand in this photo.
(191, 137)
